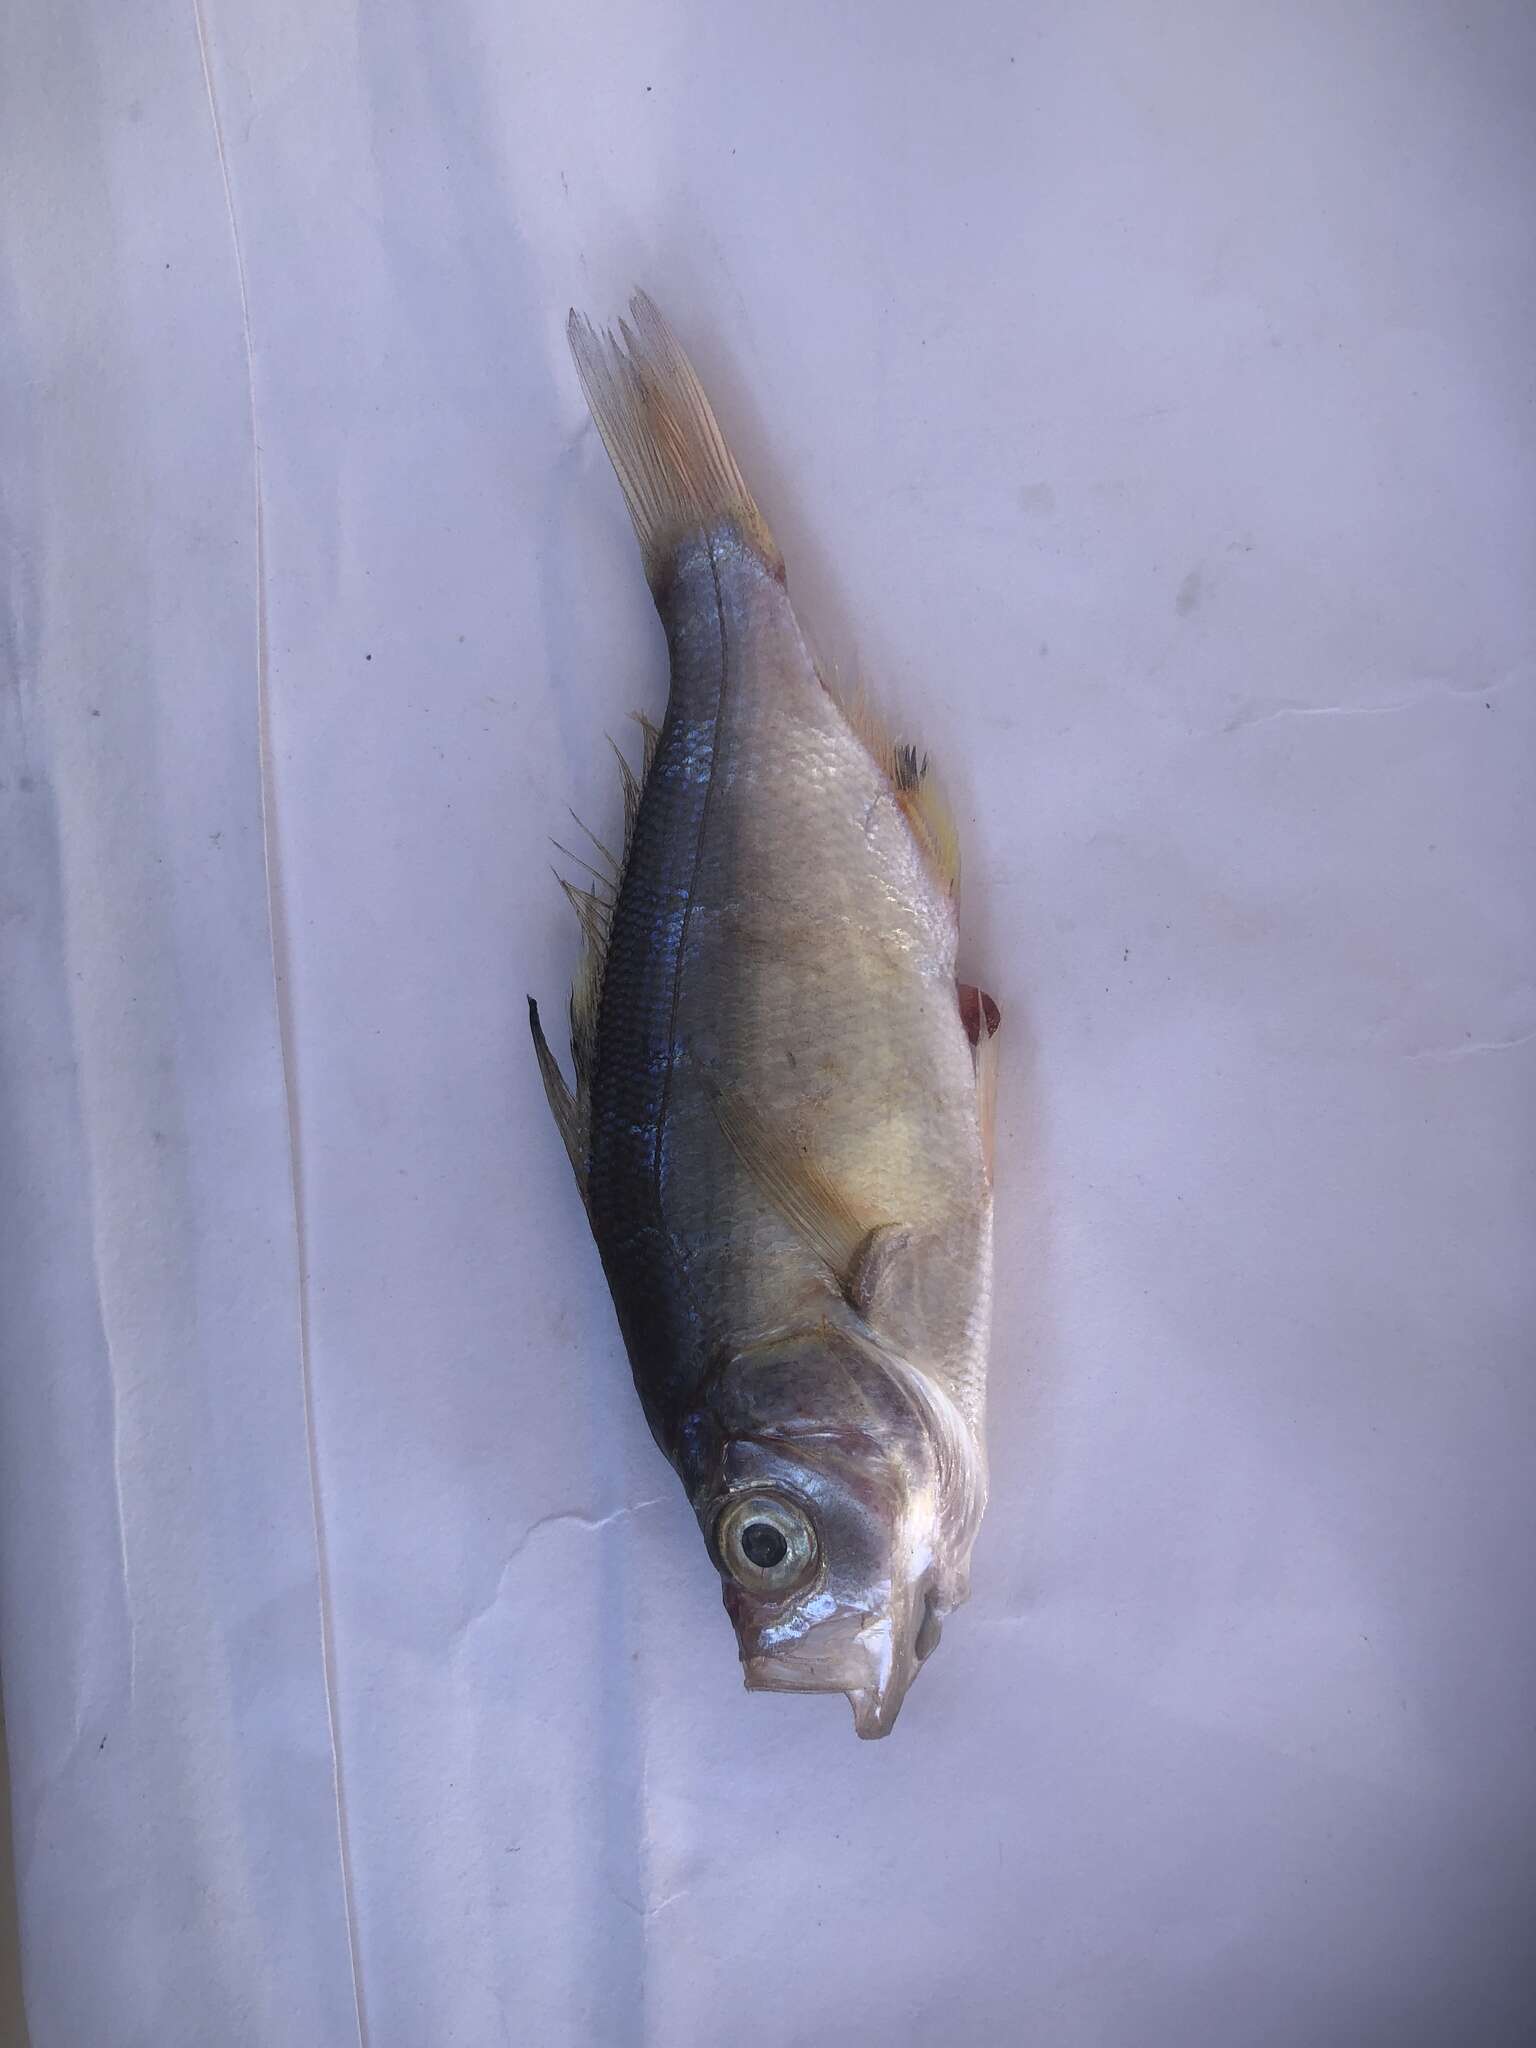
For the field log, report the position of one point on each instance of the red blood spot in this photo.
(975, 1004)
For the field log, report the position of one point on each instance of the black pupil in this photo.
(763, 1545)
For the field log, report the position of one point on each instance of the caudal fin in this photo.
(679, 477)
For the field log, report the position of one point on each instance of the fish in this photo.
(782, 1108)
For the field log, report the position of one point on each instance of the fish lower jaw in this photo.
(874, 1714)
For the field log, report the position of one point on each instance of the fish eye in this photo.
(767, 1544)
(764, 1545)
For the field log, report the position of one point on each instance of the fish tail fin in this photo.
(678, 475)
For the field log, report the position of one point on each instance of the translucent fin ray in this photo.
(911, 776)
(568, 1112)
(594, 906)
(800, 1189)
(982, 1019)
(677, 474)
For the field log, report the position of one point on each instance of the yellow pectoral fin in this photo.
(802, 1191)
(876, 1269)
(880, 1268)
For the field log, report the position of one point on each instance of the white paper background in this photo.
(1143, 398)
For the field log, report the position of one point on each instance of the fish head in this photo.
(837, 1518)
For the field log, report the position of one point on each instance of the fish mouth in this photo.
(855, 1655)
(874, 1707)
(875, 1714)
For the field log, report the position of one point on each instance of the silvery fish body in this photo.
(781, 1119)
